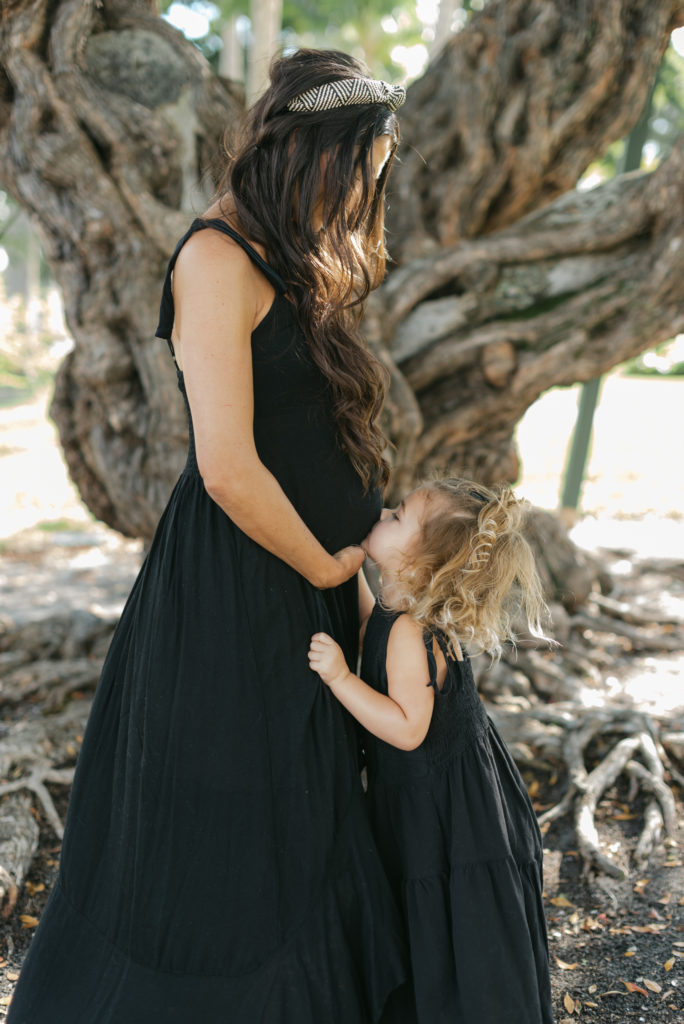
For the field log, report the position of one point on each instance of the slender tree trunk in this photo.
(267, 17)
(232, 60)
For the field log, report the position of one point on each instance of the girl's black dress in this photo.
(460, 841)
(218, 863)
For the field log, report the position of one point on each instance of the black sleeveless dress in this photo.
(218, 863)
(460, 841)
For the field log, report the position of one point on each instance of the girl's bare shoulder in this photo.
(405, 640)
(406, 648)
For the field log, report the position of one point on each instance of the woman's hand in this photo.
(349, 561)
(326, 658)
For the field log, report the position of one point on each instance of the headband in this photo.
(347, 92)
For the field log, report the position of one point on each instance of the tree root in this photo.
(34, 753)
(18, 844)
(639, 639)
(42, 773)
(539, 730)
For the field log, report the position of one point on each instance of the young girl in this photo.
(452, 818)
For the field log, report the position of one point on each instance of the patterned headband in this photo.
(347, 92)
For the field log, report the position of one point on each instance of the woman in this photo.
(217, 864)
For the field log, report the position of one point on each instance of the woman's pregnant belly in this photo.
(299, 447)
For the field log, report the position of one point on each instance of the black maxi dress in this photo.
(218, 863)
(460, 841)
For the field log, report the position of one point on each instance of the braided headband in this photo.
(347, 92)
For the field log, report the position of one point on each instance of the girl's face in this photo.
(390, 541)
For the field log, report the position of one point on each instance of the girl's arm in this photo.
(403, 717)
(217, 289)
(366, 603)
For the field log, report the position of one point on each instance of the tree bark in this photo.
(515, 108)
(109, 118)
(481, 329)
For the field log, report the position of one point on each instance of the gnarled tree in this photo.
(110, 121)
(506, 280)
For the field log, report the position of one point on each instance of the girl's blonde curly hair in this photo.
(471, 571)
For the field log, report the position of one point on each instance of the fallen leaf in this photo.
(680, 944)
(565, 967)
(11, 975)
(592, 989)
(630, 952)
(623, 816)
(594, 1006)
(669, 964)
(561, 901)
(631, 987)
(33, 887)
(569, 1003)
(533, 788)
(5, 1001)
(28, 921)
(641, 884)
(652, 986)
(664, 899)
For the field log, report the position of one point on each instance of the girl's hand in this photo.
(326, 658)
(349, 561)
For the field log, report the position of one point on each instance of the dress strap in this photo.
(432, 661)
(166, 310)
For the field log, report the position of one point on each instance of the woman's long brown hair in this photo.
(281, 166)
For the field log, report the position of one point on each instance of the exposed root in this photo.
(18, 844)
(640, 738)
(42, 772)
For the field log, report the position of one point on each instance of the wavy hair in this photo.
(281, 169)
(471, 571)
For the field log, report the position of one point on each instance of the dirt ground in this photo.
(617, 947)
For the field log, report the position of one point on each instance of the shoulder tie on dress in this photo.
(451, 663)
(166, 310)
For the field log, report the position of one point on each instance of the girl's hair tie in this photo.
(347, 92)
(479, 497)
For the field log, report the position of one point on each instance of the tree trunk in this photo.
(109, 118)
(514, 109)
(480, 330)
